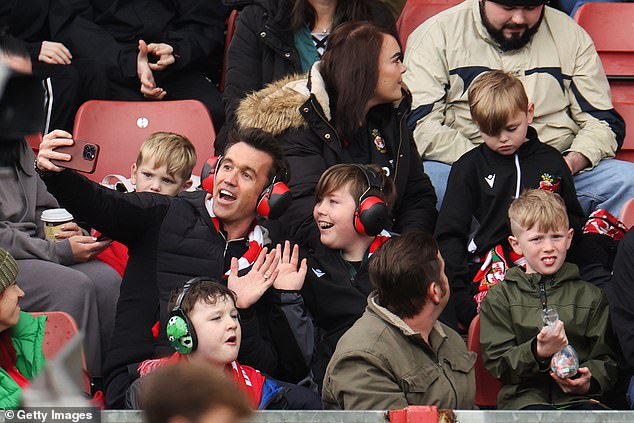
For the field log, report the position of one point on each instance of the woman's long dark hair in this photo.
(350, 70)
(302, 12)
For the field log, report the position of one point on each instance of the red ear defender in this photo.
(370, 216)
(208, 174)
(372, 213)
(274, 200)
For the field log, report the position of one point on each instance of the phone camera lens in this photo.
(89, 152)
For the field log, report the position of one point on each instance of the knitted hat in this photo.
(520, 2)
(8, 270)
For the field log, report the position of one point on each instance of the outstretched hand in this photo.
(290, 277)
(250, 287)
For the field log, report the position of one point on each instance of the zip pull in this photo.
(542, 293)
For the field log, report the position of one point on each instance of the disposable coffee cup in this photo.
(53, 220)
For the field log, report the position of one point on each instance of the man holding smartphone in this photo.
(58, 274)
(172, 239)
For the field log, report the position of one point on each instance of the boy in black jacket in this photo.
(352, 203)
(482, 184)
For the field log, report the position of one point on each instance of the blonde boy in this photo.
(517, 348)
(482, 184)
(164, 164)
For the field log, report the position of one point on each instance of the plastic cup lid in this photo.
(56, 215)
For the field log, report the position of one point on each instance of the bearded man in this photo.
(558, 64)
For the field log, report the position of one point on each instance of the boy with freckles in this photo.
(517, 348)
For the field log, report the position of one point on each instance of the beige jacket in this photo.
(381, 363)
(559, 67)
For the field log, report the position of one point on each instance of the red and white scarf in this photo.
(255, 238)
(379, 240)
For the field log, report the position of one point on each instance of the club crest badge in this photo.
(549, 182)
(379, 142)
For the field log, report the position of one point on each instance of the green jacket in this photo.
(381, 363)
(27, 338)
(511, 318)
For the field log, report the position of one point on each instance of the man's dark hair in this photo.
(265, 142)
(402, 269)
(207, 291)
(189, 390)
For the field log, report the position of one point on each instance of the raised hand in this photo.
(50, 142)
(250, 287)
(289, 277)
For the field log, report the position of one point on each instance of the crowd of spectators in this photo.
(367, 203)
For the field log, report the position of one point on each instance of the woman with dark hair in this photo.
(276, 38)
(350, 108)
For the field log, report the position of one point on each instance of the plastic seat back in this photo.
(60, 328)
(416, 12)
(487, 387)
(120, 127)
(611, 26)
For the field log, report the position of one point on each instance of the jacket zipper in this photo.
(544, 300)
(400, 144)
(453, 388)
(518, 183)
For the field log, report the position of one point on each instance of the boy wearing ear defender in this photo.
(204, 327)
(352, 204)
(172, 239)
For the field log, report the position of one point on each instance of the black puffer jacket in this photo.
(263, 47)
(335, 299)
(301, 119)
(170, 240)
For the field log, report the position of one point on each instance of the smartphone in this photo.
(83, 156)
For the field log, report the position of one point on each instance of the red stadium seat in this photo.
(625, 107)
(611, 26)
(487, 386)
(416, 12)
(60, 328)
(120, 127)
(231, 28)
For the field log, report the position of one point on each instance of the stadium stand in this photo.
(119, 127)
(610, 26)
(416, 12)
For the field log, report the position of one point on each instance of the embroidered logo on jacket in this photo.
(549, 182)
(490, 179)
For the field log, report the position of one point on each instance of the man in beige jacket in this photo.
(556, 61)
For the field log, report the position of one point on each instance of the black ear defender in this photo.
(180, 330)
(371, 214)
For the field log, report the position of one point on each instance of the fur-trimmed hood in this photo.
(275, 108)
